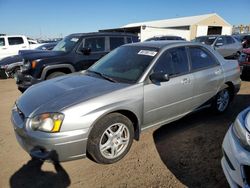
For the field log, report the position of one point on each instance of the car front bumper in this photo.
(62, 146)
(24, 81)
(235, 161)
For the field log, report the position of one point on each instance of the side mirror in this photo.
(219, 44)
(159, 77)
(86, 51)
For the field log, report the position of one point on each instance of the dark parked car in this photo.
(244, 62)
(74, 53)
(165, 37)
(10, 65)
(227, 46)
(244, 39)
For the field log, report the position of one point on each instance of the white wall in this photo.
(226, 30)
(149, 32)
(201, 30)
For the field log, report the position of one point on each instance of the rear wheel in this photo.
(54, 75)
(110, 139)
(222, 101)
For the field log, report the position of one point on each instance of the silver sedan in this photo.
(100, 111)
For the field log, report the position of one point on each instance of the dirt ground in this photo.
(185, 153)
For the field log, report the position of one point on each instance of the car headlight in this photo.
(241, 128)
(26, 65)
(47, 122)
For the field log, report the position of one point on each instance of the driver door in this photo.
(166, 101)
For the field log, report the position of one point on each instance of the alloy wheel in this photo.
(114, 140)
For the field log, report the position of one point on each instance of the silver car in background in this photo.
(236, 151)
(227, 46)
(100, 111)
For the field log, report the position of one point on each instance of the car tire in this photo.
(110, 139)
(54, 75)
(221, 101)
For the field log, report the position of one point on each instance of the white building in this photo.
(185, 27)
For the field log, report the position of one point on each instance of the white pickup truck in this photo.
(11, 44)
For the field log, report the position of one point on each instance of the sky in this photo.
(58, 18)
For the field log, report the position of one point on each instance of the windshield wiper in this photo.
(102, 75)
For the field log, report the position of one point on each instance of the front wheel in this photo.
(222, 100)
(110, 138)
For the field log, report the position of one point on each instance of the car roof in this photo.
(103, 34)
(160, 44)
(214, 36)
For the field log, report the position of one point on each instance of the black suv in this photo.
(74, 53)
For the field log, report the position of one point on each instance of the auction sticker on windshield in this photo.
(147, 52)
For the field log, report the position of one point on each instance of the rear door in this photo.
(168, 100)
(222, 47)
(207, 72)
(231, 46)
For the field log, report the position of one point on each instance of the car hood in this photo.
(22, 54)
(9, 60)
(40, 54)
(59, 93)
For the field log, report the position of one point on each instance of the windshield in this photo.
(67, 44)
(206, 40)
(125, 64)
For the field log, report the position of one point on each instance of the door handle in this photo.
(4, 48)
(23, 46)
(185, 81)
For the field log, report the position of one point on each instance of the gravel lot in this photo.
(185, 153)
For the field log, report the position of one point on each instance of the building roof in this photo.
(176, 22)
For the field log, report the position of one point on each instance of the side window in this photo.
(229, 40)
(164, 64)
(2, 42)
(129, 40)
(180, 60)
(15, 40)
(200, 58)
(116, 42)
(221, 40)
(95, 44)
(173, 62)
